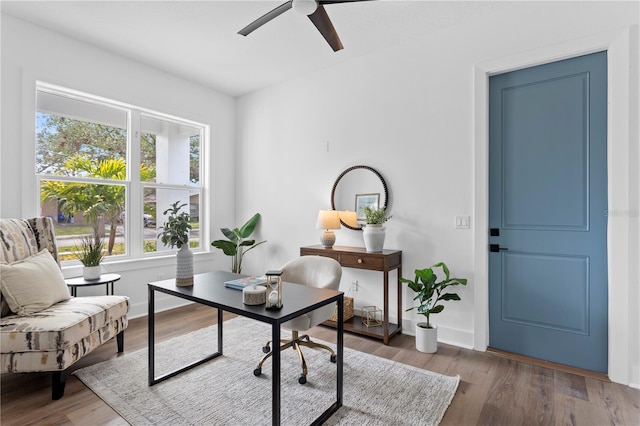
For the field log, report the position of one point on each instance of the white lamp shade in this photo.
(328, 219)
(349, 218)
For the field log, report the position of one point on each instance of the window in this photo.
(86, 149)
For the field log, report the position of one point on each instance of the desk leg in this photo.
(219, 330)
(275, 371)
(151, 316)
(151, 324)
(340, 350)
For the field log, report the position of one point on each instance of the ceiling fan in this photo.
(316, 12)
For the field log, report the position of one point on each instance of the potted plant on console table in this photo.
(428, 294)
(373, 232)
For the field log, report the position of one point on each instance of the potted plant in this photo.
(89, 252)
(429, 292)
(237, 245)
(175, 233)
(373, 232)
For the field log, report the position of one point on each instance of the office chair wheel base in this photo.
(302, 379)
(257, 372)
(266, 349)
(332, 358)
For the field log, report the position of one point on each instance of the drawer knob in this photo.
(359, 260)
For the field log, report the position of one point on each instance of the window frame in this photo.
(133, 235)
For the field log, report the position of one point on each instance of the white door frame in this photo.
(618, 149)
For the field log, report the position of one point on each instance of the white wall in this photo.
(31, 53)
(410, 112)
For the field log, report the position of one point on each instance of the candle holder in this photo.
(274, 290)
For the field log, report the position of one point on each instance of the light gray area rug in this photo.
(224, 391)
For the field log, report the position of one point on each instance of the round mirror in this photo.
(356, 188)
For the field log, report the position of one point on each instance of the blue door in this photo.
(547, 212)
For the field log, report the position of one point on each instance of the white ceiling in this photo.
(198, 40)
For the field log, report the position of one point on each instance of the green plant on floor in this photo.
(429, 290)
(89, 252)
(237, 244)
(176, 230)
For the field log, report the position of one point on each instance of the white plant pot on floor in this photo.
(426, 338)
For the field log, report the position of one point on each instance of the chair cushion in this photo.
(33, 284)
(62, 324)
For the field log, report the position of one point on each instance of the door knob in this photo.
(495, 248)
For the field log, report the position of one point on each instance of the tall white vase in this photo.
(373, 237)
(184, 266)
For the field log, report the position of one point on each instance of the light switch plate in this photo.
(462, 222)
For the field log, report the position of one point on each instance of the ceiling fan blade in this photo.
(338, 1)
(266, 18)
(322, 22)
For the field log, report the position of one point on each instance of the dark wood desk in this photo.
(359, 258)
(208, 289)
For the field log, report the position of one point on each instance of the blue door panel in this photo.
(548, 198)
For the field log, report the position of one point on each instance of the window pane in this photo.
(156, 201)
(70, 132)
(80, 208)
(169, 151)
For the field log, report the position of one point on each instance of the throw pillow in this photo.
(33, 284)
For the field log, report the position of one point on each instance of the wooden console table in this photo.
(359, 258)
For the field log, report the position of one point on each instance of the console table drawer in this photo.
(357, 261)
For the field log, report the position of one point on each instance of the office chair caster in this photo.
(257, 372)
(266, 349)
(332, 358)
(302, 379)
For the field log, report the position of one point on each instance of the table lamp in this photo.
(328, 219)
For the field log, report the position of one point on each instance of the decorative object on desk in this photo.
(371, 316)
(175, 232)
(89, 252)
(428, 294)
(328, 219)
(236, 243)
(274, 290)
(254, 295)
(241, 283)
(374, 233)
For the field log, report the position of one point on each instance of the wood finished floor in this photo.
(492, 391)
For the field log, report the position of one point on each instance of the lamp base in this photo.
(328, 239)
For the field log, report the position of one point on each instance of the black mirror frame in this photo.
(335, 185)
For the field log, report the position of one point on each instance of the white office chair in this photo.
(315, 271)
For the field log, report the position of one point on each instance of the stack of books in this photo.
(241, 283)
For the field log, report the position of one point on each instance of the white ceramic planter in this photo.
(426, 338)
(374, 238)
(184, 266)
(90, 273)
